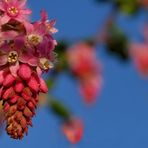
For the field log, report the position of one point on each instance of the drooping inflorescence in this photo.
(87, 69)
(26, 51)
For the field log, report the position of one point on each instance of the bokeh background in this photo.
(119, 118)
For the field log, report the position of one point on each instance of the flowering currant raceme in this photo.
(139, 54)
(26, 52)
(86, 67)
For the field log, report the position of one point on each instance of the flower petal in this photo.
(39, 71)
(5, 19)
(14, 68)
(22, 3)
(44, 15)
(25, 11)
(3, 60)
(33, 61)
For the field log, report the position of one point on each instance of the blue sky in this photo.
(120, 117)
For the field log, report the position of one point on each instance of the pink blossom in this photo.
(26, 51)
(73, 130)
(90, 88)
(48, 25)
(14, 9)
(144, 3)
(139, 55)
(39, 36)
(12, 54)
(86, 67)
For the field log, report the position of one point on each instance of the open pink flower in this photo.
(48, 25)
(44, 25)
(73, 130)
(39, 35)
(12, 53)
(42, 43)
(86, 67)
(14, 9)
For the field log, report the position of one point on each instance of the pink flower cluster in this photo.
(139, 55)
(86, 67)
(26, 51)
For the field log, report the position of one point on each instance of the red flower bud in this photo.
(24, 72)
(8, 81)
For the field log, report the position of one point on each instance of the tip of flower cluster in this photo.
(19, 95)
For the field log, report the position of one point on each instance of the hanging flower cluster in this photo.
(87, 68)
(139, 54)
(26, 51)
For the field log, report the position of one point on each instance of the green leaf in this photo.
(117, 43)
(59, 109)
(128, 6)
(50, 82)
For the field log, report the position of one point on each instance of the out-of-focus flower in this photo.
(144, 3)
(139, 54)
(90, 88)
(86, 67)
(13, 9)
(73, 130)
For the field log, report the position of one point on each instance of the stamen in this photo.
(12, 11)
(12, 57)
(46, 64)
(34, 39)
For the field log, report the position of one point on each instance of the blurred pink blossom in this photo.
(73, 130)
(139, 55)
(86, 67)
(144, 3)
